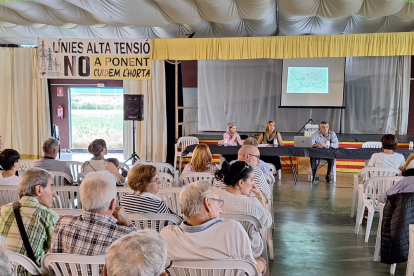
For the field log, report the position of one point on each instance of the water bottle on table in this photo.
(327, 144)
(225, 142)
(275, 143)
(410, 146)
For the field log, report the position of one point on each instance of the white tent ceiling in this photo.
(22, 22)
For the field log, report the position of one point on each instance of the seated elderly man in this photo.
(99, 225)
(261, 164)
(48, 161)
(205, 236)
(251, 155)
(142, 253)
(36, 197)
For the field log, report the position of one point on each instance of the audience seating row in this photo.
(58, 263)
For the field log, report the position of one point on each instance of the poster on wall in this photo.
(94, 58)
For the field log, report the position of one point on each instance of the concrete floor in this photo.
(314, 233)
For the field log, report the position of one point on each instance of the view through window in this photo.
(96, 113)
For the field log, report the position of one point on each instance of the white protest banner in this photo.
(94, 58)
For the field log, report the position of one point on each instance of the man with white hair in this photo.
(204, 235)
(142, 253)
(48, 161)
(36, 197)
(99, 225)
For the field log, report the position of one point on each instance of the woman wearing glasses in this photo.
(240, 184)
(232, 137)
(143, 180)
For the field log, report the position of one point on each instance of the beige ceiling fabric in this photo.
(322, 17)
(24, 22)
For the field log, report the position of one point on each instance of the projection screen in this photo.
(313, 82)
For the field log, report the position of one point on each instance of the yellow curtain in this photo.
(283, 47)
(24, 102)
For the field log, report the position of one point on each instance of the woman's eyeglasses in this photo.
(220, 201)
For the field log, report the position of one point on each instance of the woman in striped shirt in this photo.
(144, 181)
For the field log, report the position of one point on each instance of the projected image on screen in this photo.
(307, 80)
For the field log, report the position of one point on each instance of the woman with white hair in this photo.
(142, 253)
(232, 137)
(204, 235)
(239, 180)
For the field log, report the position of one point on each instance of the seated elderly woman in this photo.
(143, 180)
(232, 137)
(388, 158)
(98, 162)
(205, 236)
(202, 160)
(10, 162)
(239, 180)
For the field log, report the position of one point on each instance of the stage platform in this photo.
(301, 163)
(288, 136)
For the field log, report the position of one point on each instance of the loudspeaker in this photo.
(133, 107)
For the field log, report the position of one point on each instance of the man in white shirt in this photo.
(48, 162)
(205, 236)
(319, 140)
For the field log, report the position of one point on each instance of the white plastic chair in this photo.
(247, 221)
(272, 169)
(61, 178)
(153, 221)
(184, 142)
(364, 175)
(372, 145)
(8, 193)
(81, 176)
(212, 267)
(67, 211)
(167, 180)
(17, 260)
(75, 169)
(378, 240)
(25, 164)
(410, 261)
(368, 197)
(67, 197)
(188, 178)
(164, 167)
(170, 197)
(120, 191)
(58, 264)
(270, 207)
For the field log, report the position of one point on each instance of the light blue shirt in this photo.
(201, 227)
(405, 185)
(318, 137)
(265, 169)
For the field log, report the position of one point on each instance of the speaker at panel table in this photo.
(133, 107)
